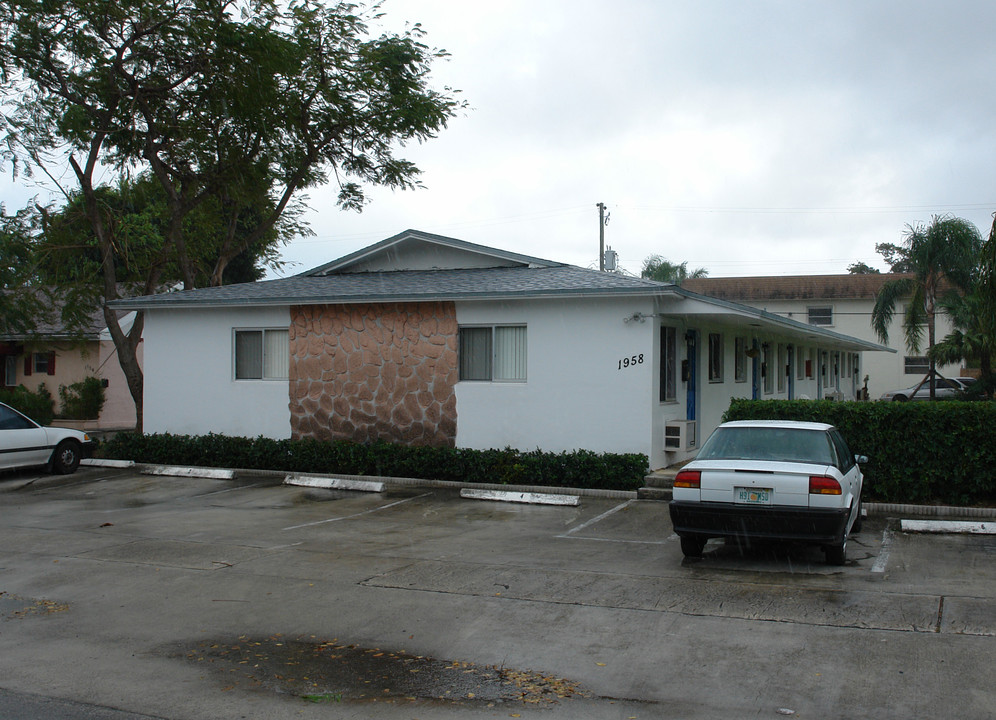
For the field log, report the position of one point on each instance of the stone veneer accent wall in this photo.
(374, 372)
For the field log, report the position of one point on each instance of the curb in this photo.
(531, 498)
(277, 476)
(660, 494)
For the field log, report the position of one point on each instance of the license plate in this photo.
(753, 496)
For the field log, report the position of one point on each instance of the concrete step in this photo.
(654, 493)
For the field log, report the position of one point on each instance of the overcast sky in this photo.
(744, 138)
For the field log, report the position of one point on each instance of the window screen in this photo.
(493, 353)
(821, 316)
(262, 354)
(475, 353)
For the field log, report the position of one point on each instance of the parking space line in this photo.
(229, 489)
(883, 557)
(665, 541)
(359, 514)
(601, 517)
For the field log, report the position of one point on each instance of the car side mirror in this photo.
(861, 459)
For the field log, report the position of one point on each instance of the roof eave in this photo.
(847, 341)
(287, 300)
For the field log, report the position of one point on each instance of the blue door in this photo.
(691, 379)
(755, 376)
(790, 371)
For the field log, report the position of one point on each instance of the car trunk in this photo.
(758, 483)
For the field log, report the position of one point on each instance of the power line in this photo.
(831, 210)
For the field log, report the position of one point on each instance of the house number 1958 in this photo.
(631, 361)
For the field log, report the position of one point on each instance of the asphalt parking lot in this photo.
(192, 598)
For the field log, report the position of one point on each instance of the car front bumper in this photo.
(825, 526)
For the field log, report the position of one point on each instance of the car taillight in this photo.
(823, 485)
(688, 479)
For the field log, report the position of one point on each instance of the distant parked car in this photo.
(944, 389)
(24, 443)
(770, 480)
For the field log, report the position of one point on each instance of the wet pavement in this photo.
(329, 671)
(193, 598)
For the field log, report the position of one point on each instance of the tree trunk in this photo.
(930, 346)
(127, 347)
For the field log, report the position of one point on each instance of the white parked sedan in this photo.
(24, 443)
(944, 389)
(770, 479)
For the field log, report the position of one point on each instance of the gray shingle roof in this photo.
(424, 238)
(50, 325)
(415, 285)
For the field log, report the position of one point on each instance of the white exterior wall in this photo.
(885, 371)
(579, 392)
(713, 397)
(575, 395)
(190, 385)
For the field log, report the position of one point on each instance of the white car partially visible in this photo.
(768, 479)
(25, 443)
(944, 389)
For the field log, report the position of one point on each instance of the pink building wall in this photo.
(75, 362)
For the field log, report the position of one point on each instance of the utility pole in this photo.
(601, 236)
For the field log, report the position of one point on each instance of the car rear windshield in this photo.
(761, 443)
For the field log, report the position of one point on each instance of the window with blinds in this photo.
(262, 354)
(494, 353)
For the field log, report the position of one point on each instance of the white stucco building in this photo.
(842, 303)
(432, 340)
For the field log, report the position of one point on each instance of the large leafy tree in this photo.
(135, 216)
(862, 268)
(236, 106)
(896, 256)
(941, 259)
(659, 268)
(22, 304)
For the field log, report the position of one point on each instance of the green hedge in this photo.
(580, 469)
(37, 405)
(918, 452)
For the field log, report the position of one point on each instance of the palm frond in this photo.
(891, 293)
(915, 318)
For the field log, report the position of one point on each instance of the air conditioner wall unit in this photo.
(679, 435)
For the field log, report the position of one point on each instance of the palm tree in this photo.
(974, 319)
(658, 268)
(942, 258)
(970, 340)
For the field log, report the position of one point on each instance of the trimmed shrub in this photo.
(580, 468)
(37, 405)
(918, 452)
(82, 400)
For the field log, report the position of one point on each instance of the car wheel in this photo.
(899, 398)
(692, 546)
(836, 554)
(66, 457)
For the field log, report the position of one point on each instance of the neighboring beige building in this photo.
(52, 357)
(842, 303)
